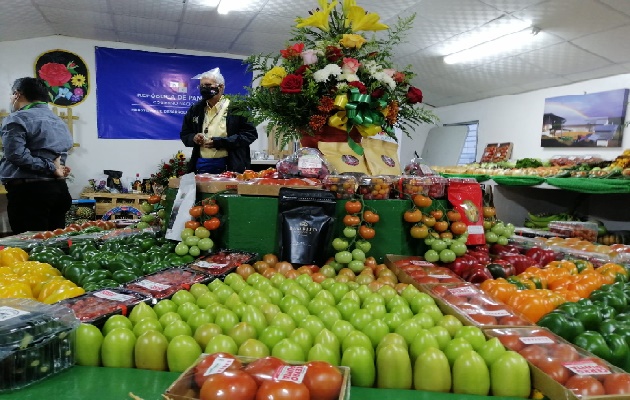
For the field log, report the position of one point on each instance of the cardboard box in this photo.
(585, 363)
(217, 186)
(496, 152)
(432, 274)
(185, 388)
(472, 306)
(249, 189)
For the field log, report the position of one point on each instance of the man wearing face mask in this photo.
(33, 171)
(220, 140)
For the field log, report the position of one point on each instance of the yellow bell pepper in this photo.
(64, 294)
(53, 286)
(16, 290)
(12, 255)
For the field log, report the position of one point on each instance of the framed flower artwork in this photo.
(66, 76)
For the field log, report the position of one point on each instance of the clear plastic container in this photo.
(343, 186)
(409, 185)
(163, 284)
(417, 167)
(95, 307)
(438, 187)
(36, 341)
(576, 229)
(375, 187)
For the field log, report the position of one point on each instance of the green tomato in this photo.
(438, 245)
(447, 256)
(181, 249)
(194, 251)
(491, 237)
(343, 257)
(147, 218)
(146, 207)
(339, 244)
(201, 232)
(349, 232)
(142, 225)
(431, 255)
(458, 248)
(191, 241)
(502, 240)
(186, 233)
(89, 340)
(363, 245)
(358, 254)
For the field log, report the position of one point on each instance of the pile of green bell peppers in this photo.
(599, 324)
(97, 265)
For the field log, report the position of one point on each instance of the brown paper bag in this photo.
(342, 157)
(381, 157)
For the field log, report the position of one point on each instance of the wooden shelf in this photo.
(107, 201)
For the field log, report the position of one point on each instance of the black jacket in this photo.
(240, 134)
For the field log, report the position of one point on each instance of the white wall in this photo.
(94, 155)
(518, 119)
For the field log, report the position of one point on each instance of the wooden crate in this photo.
(107, 201)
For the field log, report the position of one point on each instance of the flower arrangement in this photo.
(334, 75)
(175, 167)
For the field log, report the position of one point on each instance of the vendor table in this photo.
(116, 383)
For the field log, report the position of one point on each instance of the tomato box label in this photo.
(586, 368)
(218, 366)
(422, 263)
(537, 340)
(7, 313)
(145, 283)
(496, 313)
(309, 161)
(109, 295)
(464, 291)
(291, 373)
(440, 276)
(210, 265)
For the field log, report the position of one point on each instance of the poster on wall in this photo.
(145, 95)
(588, 120)
(66, 76)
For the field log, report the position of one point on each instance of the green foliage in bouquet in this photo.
(175, 167)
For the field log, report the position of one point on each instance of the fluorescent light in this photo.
(225, 6)
(491, 31)
(504, 43)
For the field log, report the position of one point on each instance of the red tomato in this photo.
(554, 369)
(282, 390)
(563, 351)
(370, 217)
(263, 368)
(455, 300)
(483, 319)
(512, 342)
(210, 209)
(366, 232)
(229, 385)
(58, 231)
(203, 365)
(323, 380)
(617, 384)
(534, 353)
(212, 223)
(192, 224)
(425, 278)
(353, 206)
(512, 320)
(196, 211)
(585, 385)
(154, 199)
(39, 235)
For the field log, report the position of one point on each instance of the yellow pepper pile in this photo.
(20, 278)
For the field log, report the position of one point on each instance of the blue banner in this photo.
(145, 95)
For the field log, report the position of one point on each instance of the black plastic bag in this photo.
(113, 179)
(305, 222)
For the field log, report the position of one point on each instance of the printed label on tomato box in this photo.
(496, 313)
(291, 373)
(537, 340)
(145, 283)
(309, 161)
(442, 276)
(422, 263)
(218, 366)
(464, 291)
(582, 367)
(210, 265)
(109, 295)
(10, 312)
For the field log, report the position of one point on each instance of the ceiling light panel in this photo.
(493, 30)
(125, 23)
(170, 10)
(91, 5)
(564, 58)
(69, 17)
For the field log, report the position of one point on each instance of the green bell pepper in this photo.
(75, 272)
(563, 325)
(569, 308)
(590, 317)
(124, 275)
(595, 343)
(619, 350)
(613, 297)
(607, 312)
(95, 277)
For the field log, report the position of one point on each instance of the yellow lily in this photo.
(347, 5)
(359, 20)
(318, 19)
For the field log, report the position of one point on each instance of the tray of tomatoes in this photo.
(561, 370)
(222, 375)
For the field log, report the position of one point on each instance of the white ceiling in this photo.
(579, 39)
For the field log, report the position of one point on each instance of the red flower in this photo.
(292, 51)
(292, 84)
(167, 167)
(301, 70)
(55, 74)
(378, 93)
(358, 85)
(414, 95)
(333, 54)
(399, 77)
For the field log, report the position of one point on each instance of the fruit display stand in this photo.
(248, 216)
(79, 382)
(108, 201)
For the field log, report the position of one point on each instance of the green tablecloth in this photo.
(478, 177)
(512, 180)
(96, 383)
(586, 185)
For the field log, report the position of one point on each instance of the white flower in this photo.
(384, 78)
(349, 77)
(324, 74)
